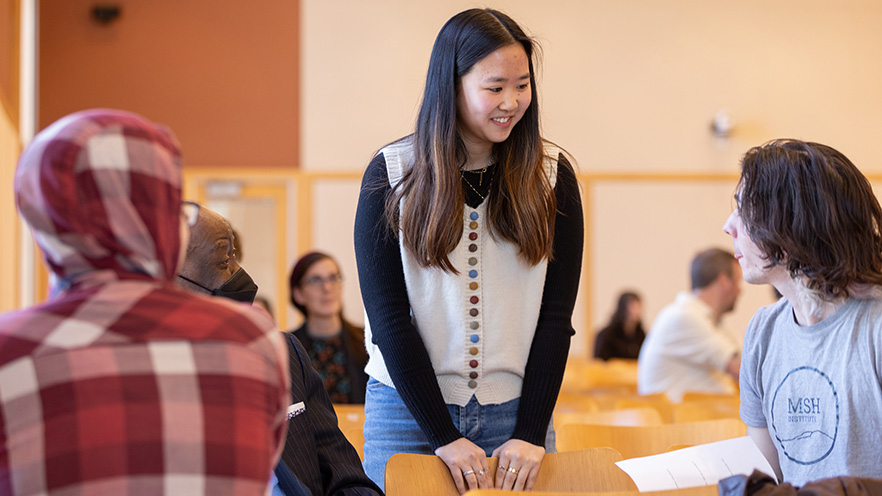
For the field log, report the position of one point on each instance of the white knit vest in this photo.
(477, 325)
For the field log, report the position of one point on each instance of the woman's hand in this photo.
(518, 465)
(468, 465)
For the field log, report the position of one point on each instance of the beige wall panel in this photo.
(10, 148)
(645, 235)
(334, 204)
(625, 85)
(255, 222)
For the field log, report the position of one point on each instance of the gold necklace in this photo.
(478, 171)
(481, 171)
(480, 179)
(470, 186)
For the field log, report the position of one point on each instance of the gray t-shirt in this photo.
(817, 389)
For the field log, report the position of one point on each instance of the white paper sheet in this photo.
(700, 465)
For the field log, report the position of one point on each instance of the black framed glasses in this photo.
(319, 281)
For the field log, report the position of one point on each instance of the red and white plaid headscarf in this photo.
(123, 383)
(101, 190)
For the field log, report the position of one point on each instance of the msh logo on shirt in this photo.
(805, 415)
(296, 409)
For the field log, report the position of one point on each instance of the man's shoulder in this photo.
(683, 311)
(870, 305)
(764, 322)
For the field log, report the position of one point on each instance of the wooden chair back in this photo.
(658, 401)
(350, 419)
(608, 398)
(575, 403)
(355, 436)
(690, 491)
(630, 416)
(583, 374)
(633, 442)
(696, 412)
(349, 415)
(586, 470)
(697, 397)
(707, 406)
(612, 373)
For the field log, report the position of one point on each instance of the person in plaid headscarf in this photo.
(122, 383)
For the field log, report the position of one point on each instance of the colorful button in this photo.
(474, 300)
(473, 384)
(473, 364)
(473, 247)
(473, 236)
(473, 216)
(473, 273)
(473, 312)
(473, 375)
(473, 261)
(475, 338)
(473, 350)
(473, 325)
(473, 225)
(473, 285)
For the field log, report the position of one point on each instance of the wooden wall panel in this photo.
(223, 74)
(10, 20)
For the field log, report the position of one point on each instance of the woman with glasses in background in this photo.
(335, 347)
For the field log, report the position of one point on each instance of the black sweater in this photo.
(383, 289)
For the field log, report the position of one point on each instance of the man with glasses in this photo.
(317, 458)
(211, 266)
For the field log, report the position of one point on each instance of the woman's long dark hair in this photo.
(521, 205)
(621, 314)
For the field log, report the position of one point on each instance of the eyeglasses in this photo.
(190, 212)
(319, 281)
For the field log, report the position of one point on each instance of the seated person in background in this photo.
(334, 346)
(122, 383)
(686, 349)
(317, 458)
(807, 222)
(624, 335)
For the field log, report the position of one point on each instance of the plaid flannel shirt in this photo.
(122, 384)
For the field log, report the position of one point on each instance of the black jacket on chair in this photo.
(316, 452)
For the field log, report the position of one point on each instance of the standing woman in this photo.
(468, 239)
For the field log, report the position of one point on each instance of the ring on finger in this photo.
(481, 472)
(512, 470)
(468, 472)
(502, 468)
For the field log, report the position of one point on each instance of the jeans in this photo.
(389, 428)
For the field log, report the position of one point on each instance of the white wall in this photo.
(627, 86)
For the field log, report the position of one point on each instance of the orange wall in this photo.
(223, 74)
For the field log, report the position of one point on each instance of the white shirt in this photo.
(685, 351)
